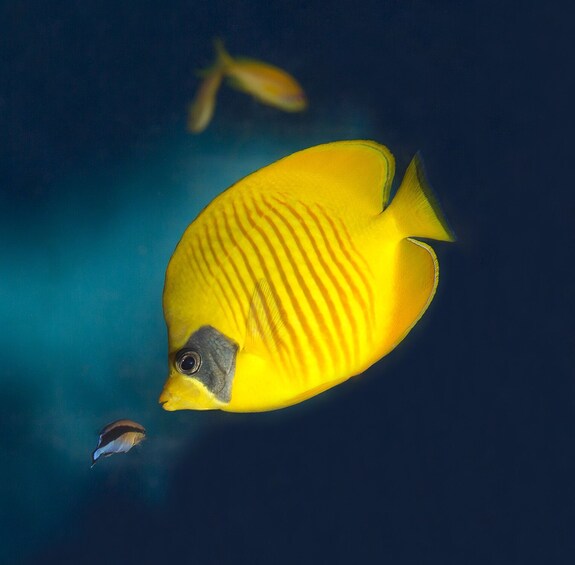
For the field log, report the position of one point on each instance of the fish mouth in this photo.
(187, 394)
(166, 401)
(167, 406)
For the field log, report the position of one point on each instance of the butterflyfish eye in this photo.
(188, 361)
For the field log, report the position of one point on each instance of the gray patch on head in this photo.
(218, 361)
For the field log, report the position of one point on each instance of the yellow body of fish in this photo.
(266, 83)
(298, 277)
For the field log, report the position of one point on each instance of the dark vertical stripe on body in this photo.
(117, 432)
(214, 277)
(227, 257)
(344, 297)
(239, 323)
(236, 245)
(305, 290)
(282, 349)
(339, 345)
(368, 305)
(253, 279)
(199, 269)
(353, 247)
(294, 339)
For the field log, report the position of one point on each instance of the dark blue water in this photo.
(456, 448)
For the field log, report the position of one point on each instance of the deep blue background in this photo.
(457, 448)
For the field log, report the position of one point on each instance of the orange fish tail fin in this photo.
(415, 208)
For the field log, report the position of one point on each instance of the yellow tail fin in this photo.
(415, 208)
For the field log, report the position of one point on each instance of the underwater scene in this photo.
(285, 282)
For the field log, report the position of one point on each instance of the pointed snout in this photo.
(166, 401)
(185, 393)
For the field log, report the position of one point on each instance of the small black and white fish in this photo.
(118, 437)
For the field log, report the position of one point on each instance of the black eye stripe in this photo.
(188, 361)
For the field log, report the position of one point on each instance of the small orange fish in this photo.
(266, 83)
(202, 107)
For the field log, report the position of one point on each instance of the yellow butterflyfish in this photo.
(298, 277)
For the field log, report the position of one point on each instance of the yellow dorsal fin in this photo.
(415, 208)
(264, 323)
(353, 177)
(418, 270)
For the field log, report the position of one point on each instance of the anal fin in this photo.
(417, 275)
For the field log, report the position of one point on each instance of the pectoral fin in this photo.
(265, 326)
